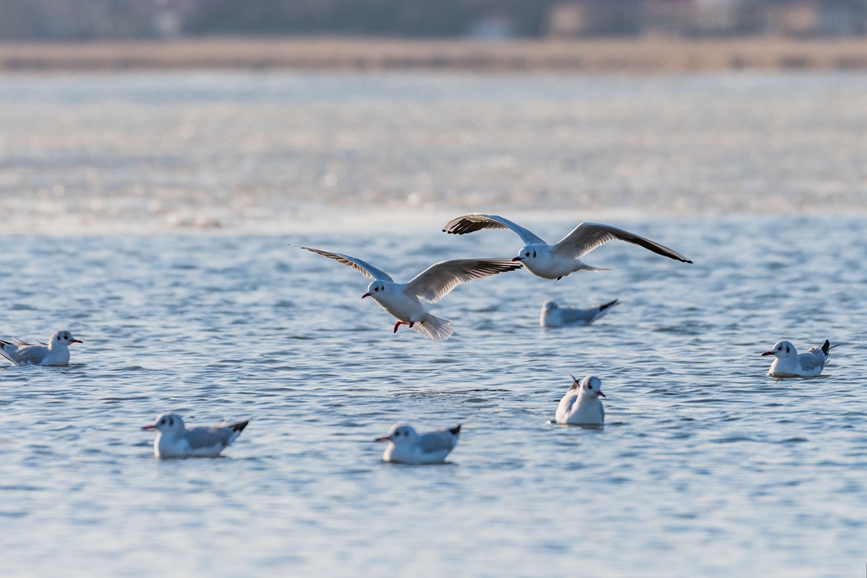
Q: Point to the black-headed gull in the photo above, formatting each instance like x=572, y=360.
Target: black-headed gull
x=788, y=363
x=55, y=352
x=563, y=259
x=402, y=300
x=554, y=315
x=581, y=404
x=174, y=440
x=405, y=446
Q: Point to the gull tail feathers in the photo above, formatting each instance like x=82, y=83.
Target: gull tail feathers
x=434, y=327
x=586, y=267
x=608, y=305
x=238, y=427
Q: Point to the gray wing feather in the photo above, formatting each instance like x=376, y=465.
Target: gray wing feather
x=436, y=440
x=588, y=236
x=207, y=437
x=572, y=315
x=24, y=354
x=366, y=269
x=477, y=221
x=812, y=359
x=438, y=280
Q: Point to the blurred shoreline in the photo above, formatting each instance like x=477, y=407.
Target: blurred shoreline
x=638, y=55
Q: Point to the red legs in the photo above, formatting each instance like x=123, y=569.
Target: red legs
x=399, y=323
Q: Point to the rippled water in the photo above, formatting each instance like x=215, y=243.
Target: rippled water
x=252, y=153
x=705, y=467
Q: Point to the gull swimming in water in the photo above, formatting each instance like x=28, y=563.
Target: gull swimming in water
x=789, y=363
x=563, y=259
x=55, y=352
x=403, y=300
x=554, y=315
x=581, y=404
x=405, y=446
x=174, y=440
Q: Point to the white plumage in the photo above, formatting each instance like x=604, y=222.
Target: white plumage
x=55, y=352
x=403, y=300
x=174, y=440
x=581, y=404
x=554, y=315
x=563, y=259
x=405, y=446
x=789, y=363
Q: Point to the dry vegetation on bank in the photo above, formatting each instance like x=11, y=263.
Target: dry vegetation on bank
x=629, y=55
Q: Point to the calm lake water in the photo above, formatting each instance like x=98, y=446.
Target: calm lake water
x=151, y=214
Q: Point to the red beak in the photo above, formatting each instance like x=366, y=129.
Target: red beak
x=365, y=295
x=602, y=394
x=76, y=341
x=767, y=353
x=383, y=439
x=515, y=259
x=149, y=427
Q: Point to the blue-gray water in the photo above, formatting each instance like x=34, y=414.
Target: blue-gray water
x=705, y=467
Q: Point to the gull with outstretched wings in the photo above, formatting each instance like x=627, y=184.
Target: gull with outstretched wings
x=403, y=300
x=564, y=258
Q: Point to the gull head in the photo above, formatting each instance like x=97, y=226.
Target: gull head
x=528, y=253
x=549, y=306
x=590, y=386
x=782, y=349
x=166, y=423
x=375, y=289
x=399, y=434
x=63, y=337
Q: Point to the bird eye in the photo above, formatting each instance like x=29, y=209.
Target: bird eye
x=163, y=421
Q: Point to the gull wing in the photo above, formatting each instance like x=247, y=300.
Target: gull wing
x=812, y=359
x=208, y=437
x=588, y=236
x=366, y=269
x=477, y=221
x=573, y=315
x=438, y=440
x=24, y=354
x=439, y=279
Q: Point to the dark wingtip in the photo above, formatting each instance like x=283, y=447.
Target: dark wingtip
x=456, y=430
x=238, y=427
x=687, y=261
x=607, y=305
x=826, y=347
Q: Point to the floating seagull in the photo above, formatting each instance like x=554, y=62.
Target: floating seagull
x=402, y=300
x=788, y=363
x=581, y=404
x=555, y=316
x=56, y=352
x=174, y=440
x=405, y=446
x=563, y=259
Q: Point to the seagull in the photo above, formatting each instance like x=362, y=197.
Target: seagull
x=405, y=446
x=788, y=363
x=402, y=300
x=174, y=440
x=563, y=259
x=581, y=404
x=55, y=352
x=555, y=316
